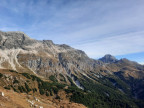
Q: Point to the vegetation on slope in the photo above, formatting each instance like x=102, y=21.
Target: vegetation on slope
x=95, y=95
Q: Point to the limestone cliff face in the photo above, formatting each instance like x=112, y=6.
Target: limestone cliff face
x=44, y=58
x=10, y=40
x=19, y=52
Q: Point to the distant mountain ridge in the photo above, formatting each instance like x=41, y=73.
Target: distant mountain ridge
x=108, y=59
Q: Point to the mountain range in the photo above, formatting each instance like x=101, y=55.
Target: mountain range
x=65, y=76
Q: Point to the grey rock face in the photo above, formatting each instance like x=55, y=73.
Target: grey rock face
x=108, y=59
x=19, y=52
x=10, y=40
x=46, y=58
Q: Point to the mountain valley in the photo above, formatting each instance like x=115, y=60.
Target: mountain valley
x=60, y=76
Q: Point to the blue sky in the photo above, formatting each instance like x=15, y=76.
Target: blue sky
x=97, y=27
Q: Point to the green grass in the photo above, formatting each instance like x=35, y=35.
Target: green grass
x=52, y=78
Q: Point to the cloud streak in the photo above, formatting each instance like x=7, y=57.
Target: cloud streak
x=115, y=45
x=95, y=26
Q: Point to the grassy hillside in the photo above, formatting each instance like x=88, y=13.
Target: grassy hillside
x=95, y=95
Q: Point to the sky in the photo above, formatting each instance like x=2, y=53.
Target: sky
x=97, y=27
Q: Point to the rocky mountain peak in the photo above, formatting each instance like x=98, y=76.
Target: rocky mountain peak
x=14, y=40
x=65, y=46
x=22, y=57
x=108, y=59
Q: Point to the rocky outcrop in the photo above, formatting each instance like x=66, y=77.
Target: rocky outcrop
x=108, y=59
x=10, y=40
x=1, y=93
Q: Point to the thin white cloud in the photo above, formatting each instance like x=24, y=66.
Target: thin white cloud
x=115, y=45
x=96, y=26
